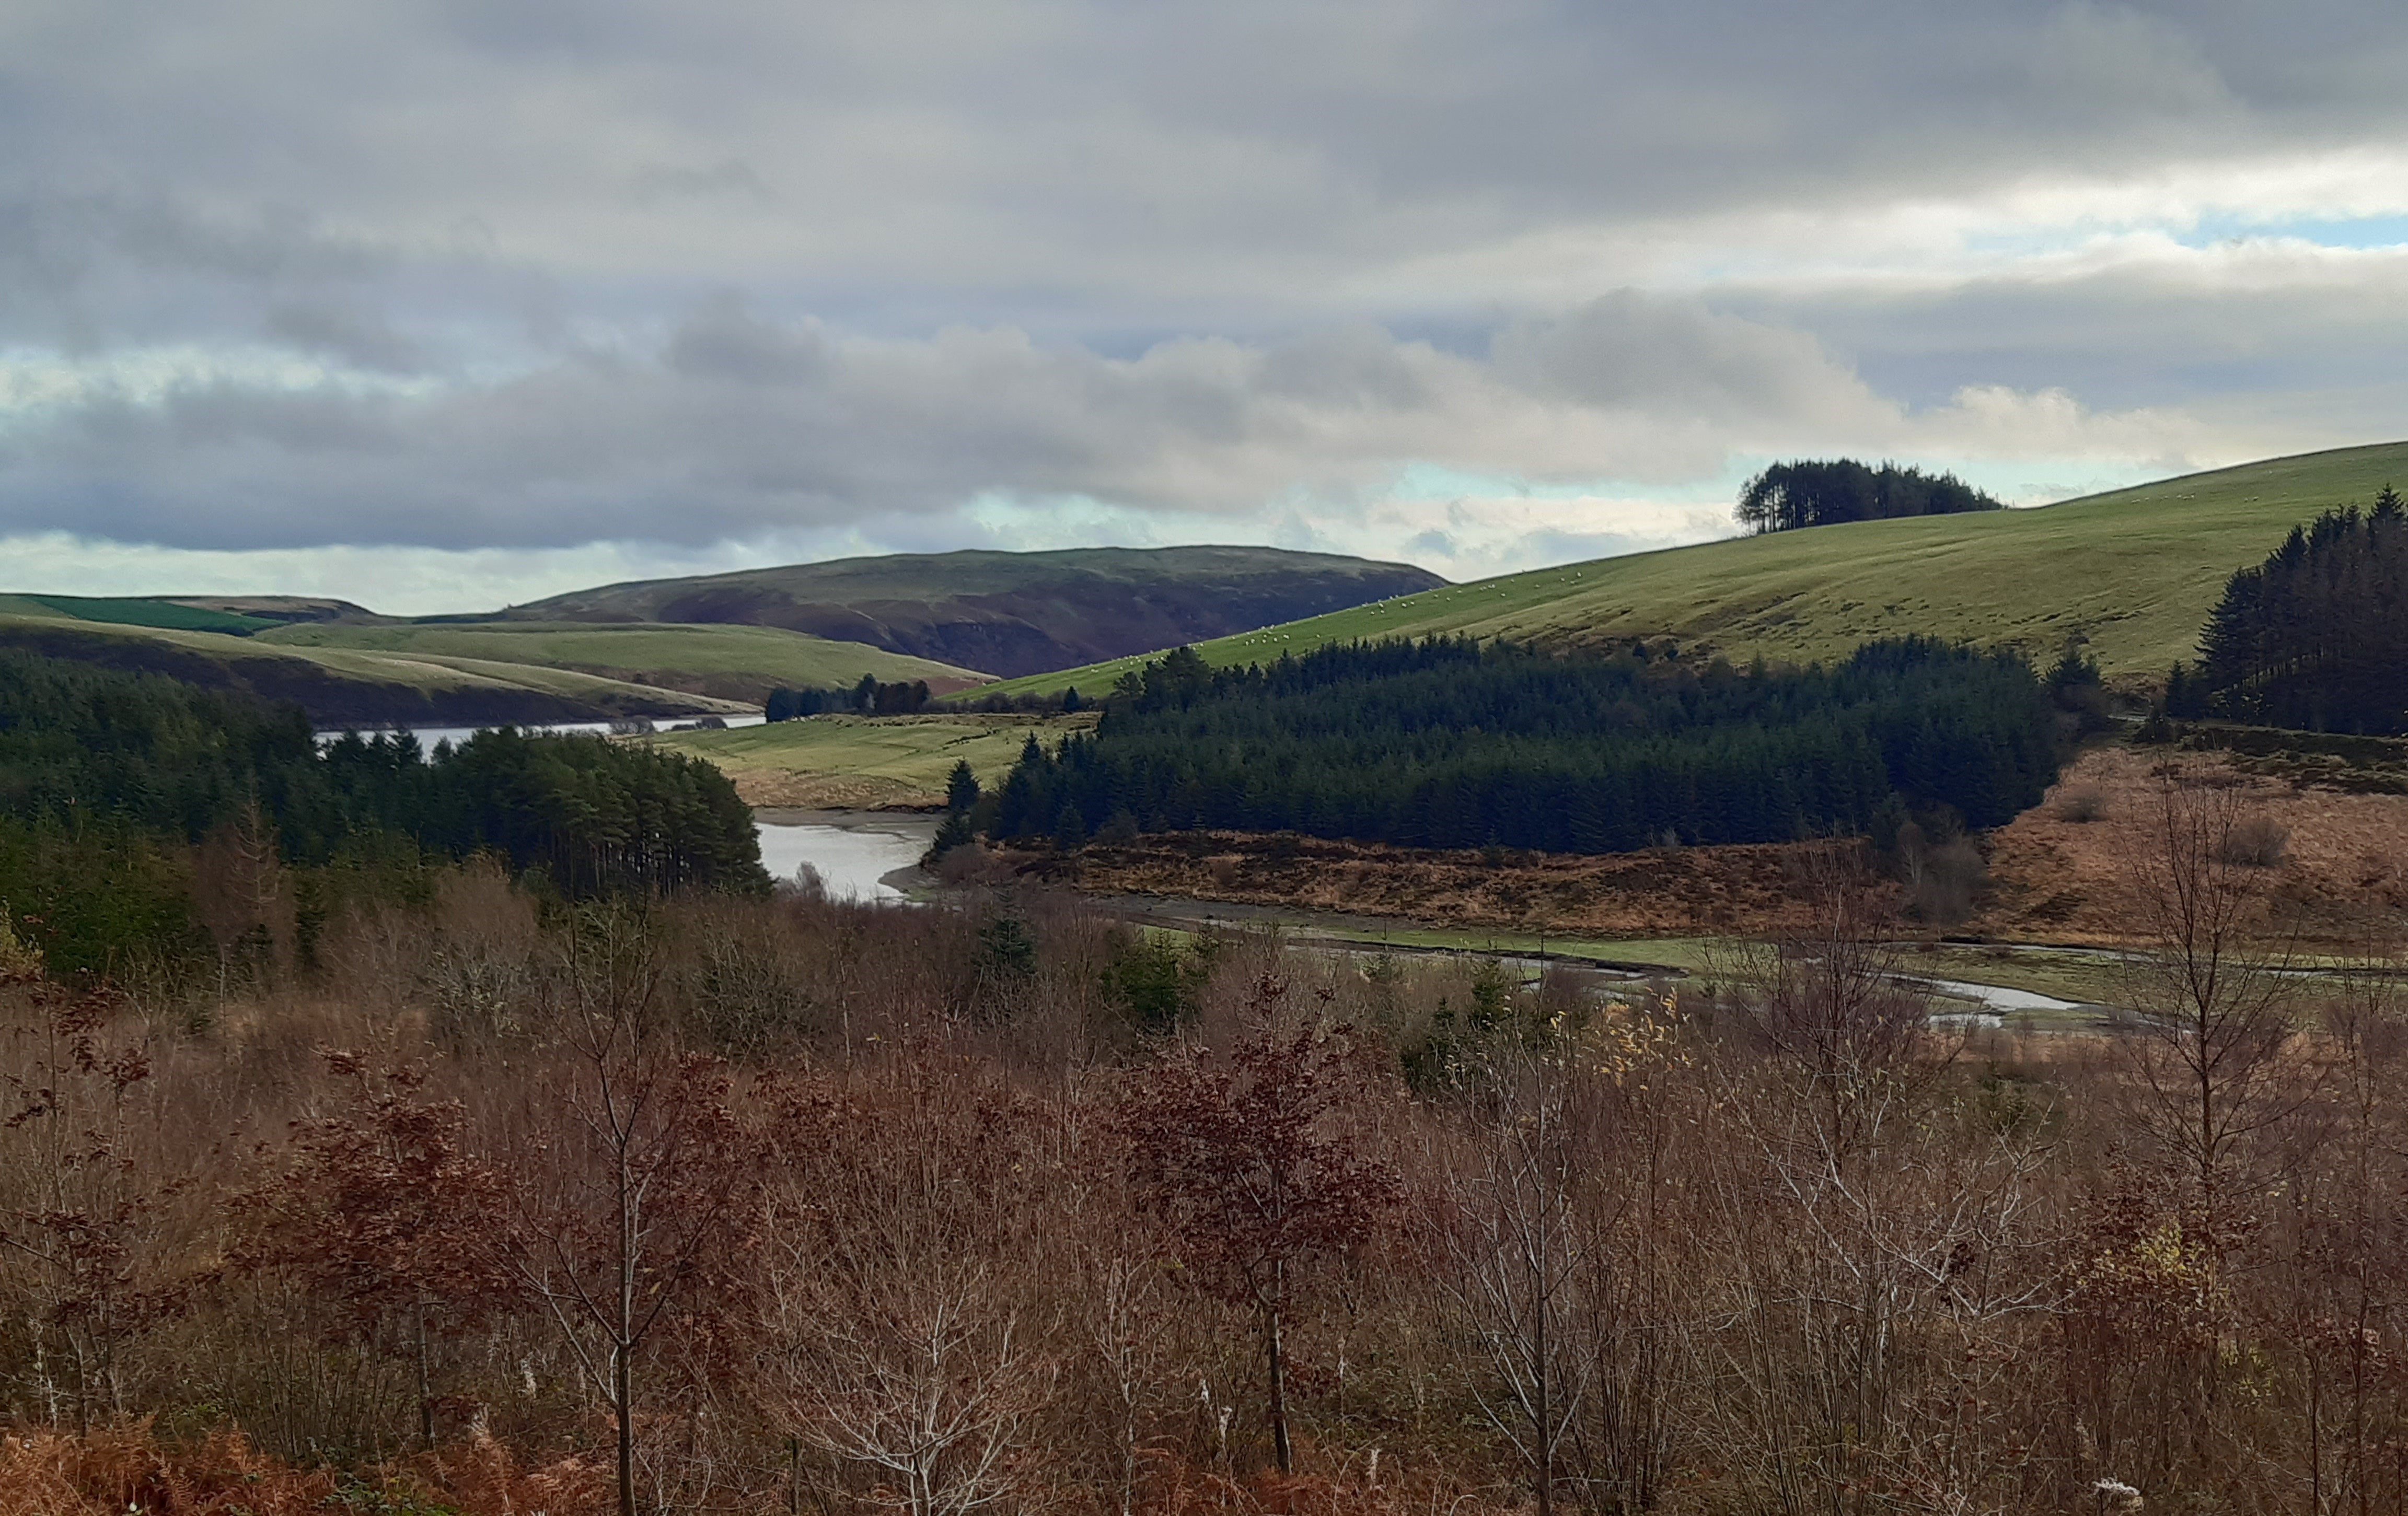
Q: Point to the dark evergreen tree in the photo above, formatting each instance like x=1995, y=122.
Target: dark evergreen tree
x=81, y=746
x=952, y=832
x=1787, y=496
x=2316, y=637
x=961, y=787
x=1446, y=743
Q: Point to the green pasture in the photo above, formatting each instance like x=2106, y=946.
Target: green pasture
x=2134, y=571
x=764, y=657
x=417, y=672
x=130, y=611
x=915, y=750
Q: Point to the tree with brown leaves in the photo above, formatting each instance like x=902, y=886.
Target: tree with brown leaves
x=1253, y=1164
x=378, y=1209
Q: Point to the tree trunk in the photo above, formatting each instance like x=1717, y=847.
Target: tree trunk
x=623, y=1390
x=1279, y=1385
x=426, y=1390
x=623, y=1373
x=1545, y=1471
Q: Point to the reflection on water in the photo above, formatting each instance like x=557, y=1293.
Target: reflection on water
x=849, y=857
x=1999, y=999
x=429, y=735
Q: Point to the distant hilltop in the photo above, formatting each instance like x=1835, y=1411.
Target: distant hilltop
x=711, y=645
x=277, y=608
x=1011, y=613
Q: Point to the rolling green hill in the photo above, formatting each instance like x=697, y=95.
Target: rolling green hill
x=2135, y=571
x=167, y=615
x=1009, y=612
x=345, y=685
x=733, y=663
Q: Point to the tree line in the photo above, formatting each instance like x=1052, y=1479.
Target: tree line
x=112, y=784
x=1790, y=495
x=2316, y=637
x=869, y=698
x=1448, y=743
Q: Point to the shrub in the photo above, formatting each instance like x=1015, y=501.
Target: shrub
x=2256, y=842
x=2082, y=803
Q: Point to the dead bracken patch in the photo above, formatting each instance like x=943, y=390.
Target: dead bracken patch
x=780, y=789
x=2333, y=858
x=1747, y=889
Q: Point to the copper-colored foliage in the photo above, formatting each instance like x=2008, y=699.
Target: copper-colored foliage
x=500, y=1204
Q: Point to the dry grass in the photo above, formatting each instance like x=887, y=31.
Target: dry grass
x=868, y=763
x=114, y=1470
x=2336, y=860
x=1743, y=890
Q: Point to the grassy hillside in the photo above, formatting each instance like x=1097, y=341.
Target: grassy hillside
x=866, y=761
x=1010, y=612
x=340, y=686
x=168, y=615
x=2135, y=570
x=734, y=663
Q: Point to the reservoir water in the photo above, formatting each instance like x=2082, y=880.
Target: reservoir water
x=851, y=851
x=429, y=735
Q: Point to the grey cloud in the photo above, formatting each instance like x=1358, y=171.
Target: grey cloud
x=945, y=214
x=739, y=425
x=730, y=175
x=2152, y=336
x=1247, y=152
x=1625, y=350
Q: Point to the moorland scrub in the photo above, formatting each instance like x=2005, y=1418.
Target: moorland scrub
x=503, y=1200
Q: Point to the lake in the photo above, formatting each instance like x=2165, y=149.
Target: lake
x=429, y=735
x=851, y=849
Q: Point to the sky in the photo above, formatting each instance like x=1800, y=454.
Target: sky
x=439, y=305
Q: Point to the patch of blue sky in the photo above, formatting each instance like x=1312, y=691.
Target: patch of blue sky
x=2351, y=233
x=2347, y=233
x=1433, y=481
x=2357, y=233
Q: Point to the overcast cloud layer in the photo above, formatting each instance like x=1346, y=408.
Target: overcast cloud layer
x=437, y=304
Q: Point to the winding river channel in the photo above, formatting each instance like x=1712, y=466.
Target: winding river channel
x=870, y=856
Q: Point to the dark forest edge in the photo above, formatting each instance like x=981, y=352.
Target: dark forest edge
x=1448, y=743
x=133, y=807
x=2316, y=637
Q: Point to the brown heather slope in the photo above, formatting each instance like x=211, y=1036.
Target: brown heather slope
x=1732, y=891
x=2064, y=881
x=2053, y=879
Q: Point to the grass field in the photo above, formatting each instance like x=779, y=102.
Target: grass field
x=2136, y=571
x=2082, y=978
x=742, y=663
x=348, y=680
x=838, y=762
x=164, y=614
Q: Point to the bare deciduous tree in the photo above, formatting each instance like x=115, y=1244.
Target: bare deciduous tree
x=633, y=1212
x=2208, y=987
x=1522, y=1246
